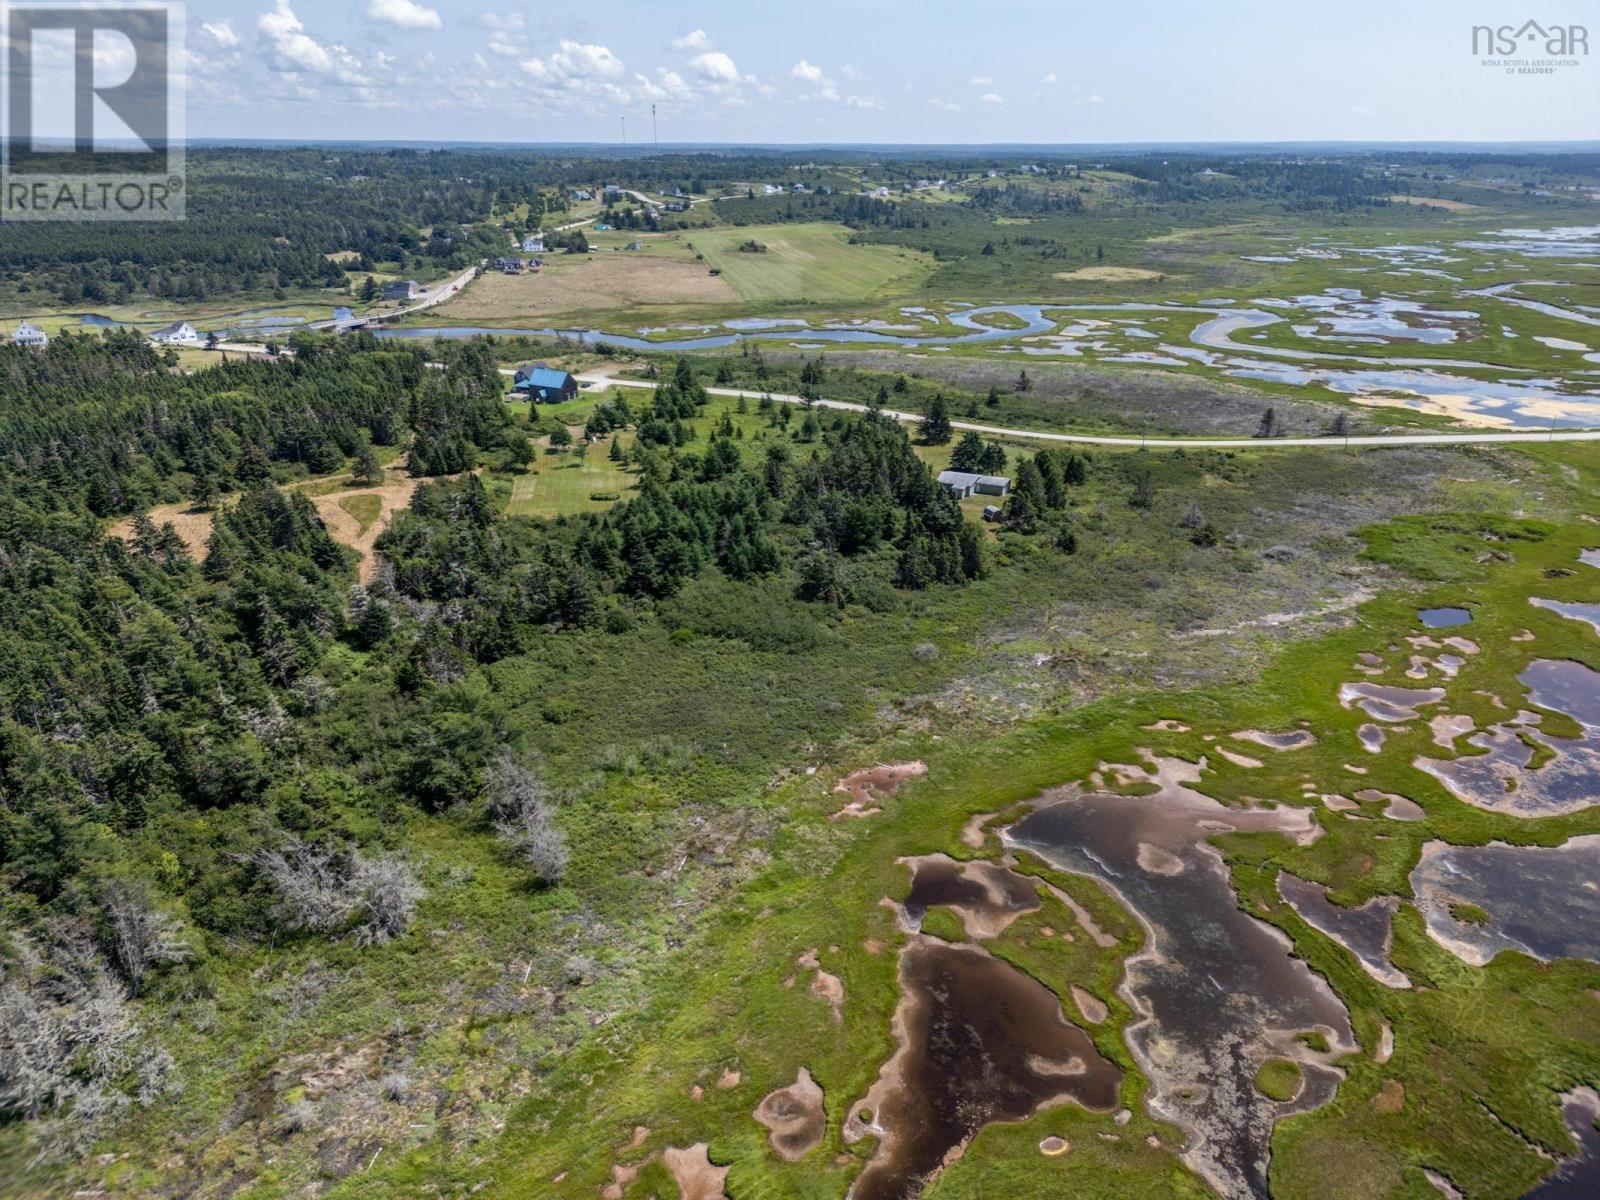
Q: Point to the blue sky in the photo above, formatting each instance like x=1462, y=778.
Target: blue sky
x=877, y=71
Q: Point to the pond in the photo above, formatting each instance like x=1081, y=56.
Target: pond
x=1538, y=900
x=1589, y=613
x=1219, y=992
x=1444, y=618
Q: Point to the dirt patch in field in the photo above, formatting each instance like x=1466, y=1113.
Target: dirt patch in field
x=1094, y=1009
x=694, y=1174
x=1434, y=202
x=796, y=1117
x=592, y=283
x=1391, y=1097
x=344, y=528
x=192, y=525
x=1113, y=274
x=875, y=783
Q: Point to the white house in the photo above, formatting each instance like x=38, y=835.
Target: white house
x=177, y=334
x=30, y=335
x=533, y=244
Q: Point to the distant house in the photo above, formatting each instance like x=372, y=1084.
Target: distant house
x=677, y=206
x=991, y=512
x=545, y=384
x=510, y=266
x=409, y=289
x=635, y=245
x=533, y=244
x=601, y=227
x=177, y=334
x=30, y=335
x=965, y=484
x=770, y=189
x=583, y=194
x=612, y=192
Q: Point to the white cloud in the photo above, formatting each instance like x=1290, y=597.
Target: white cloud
x=221, y=32
x=1050, y=78
x=982, y=81
x=292, y=48
x=944, y=104
x=992, y=98
x=405, y=14
x=667, y=85
x=696, y=39
x=862, y=102
x=715, y=66
x=503, y=44
x=1096, y=100
x=854, y=74
x=575, y=61
x=1361, y=110
x=506, y=22
x=807, y=72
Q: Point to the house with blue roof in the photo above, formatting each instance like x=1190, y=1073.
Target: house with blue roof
x=545, y=385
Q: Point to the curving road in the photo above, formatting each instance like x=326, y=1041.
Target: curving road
x=597, y=379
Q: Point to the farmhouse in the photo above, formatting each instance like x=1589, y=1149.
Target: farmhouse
x=965, y=484
x=30, y=335
x=533, y=244
x=583, y=194
x=545, y=384
x=510, y=266
x=409, y=289
x=177, y=334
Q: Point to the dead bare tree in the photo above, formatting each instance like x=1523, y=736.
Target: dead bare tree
x=327, y=890
x=520, y=806
x=139, y=935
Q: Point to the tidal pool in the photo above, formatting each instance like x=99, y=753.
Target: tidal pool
x=1218, y=992
x=1579, y=1176
x=979, y=1042
x=1541, y=900
x=1573, y=612
x=1504, y=778
x=985, y=896
x=1391, y=704
x=1366, y=932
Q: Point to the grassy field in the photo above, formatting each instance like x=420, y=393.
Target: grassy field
x=565, y=484
x=810, y=263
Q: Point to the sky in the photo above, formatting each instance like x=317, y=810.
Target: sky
x=878, y=71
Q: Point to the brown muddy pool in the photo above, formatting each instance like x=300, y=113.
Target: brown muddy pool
x=980, y=1042
x=1219, y=991
x=987, y=897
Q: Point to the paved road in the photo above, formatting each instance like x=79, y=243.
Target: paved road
x=1476, y=438
x=431, y=296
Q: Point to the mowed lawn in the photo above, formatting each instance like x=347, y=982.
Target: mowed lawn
x=810, y=262
x=561, y=485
